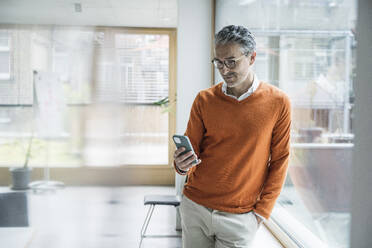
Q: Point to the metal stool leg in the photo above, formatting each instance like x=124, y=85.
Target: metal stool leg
x=146, y=223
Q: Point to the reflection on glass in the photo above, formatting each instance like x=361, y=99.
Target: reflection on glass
x=110, y=80
x=5, y=56
x=306, y=48
x=124, y=125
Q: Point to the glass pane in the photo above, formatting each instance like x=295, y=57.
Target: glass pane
x=313, y=62
x=4, y=63
x=19, y=124
x=37, y=48
x=4, y=39
x=132, y=72
x=144, y=65
x=5, y=56
x=72, y=62
x=124, y=75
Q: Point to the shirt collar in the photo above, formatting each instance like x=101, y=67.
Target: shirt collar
x=251, y=89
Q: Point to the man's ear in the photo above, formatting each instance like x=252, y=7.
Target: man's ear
x=253, y=58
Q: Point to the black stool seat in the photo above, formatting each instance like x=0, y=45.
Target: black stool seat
x=172, y=200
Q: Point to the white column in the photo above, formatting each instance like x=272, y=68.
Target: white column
x=193, y=61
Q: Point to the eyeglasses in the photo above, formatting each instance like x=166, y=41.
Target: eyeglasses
x=229, y=63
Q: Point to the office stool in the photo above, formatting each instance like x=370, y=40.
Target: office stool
x=153, y=200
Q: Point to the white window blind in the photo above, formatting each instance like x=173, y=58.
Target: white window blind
x=135, y=69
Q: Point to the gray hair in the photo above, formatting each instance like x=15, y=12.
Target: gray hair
x=236, y=34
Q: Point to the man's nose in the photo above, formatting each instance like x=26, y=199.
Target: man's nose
x=224, y=70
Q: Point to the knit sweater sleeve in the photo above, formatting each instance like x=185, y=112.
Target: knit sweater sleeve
x=278, y=164
x=195, y=129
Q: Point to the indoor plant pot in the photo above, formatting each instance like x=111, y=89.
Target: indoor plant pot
x=20, y=177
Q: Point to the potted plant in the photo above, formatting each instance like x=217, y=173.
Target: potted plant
x=21, y=175
x=165, y=104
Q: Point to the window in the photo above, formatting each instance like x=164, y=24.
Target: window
x=145, y=61
x=133, y=71
x=307, y=49
x=124, y=72
x=5, y=56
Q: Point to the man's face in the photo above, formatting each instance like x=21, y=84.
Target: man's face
x=238, y=74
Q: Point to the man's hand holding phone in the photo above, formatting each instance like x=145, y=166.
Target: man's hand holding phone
x=185, y=161
x=184, y=156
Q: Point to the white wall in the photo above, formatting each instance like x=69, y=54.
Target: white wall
x=361, y=211
x=193, y=60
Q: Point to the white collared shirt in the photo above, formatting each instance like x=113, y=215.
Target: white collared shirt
x=251, y=89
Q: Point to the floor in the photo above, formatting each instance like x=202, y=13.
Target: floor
x=100, y=217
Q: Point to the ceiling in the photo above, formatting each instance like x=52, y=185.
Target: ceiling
x=129, y=13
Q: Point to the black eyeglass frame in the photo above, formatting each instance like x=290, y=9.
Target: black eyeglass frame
x=225, y=62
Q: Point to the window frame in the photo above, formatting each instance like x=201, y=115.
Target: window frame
x=148, y=174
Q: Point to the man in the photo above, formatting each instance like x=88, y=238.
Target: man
x=240, y=132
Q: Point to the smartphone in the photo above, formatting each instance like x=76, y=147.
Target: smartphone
x=184, y=141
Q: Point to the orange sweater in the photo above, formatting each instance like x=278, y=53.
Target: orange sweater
x=235, y=139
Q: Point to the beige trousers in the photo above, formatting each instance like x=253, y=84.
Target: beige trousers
x=203, y=227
